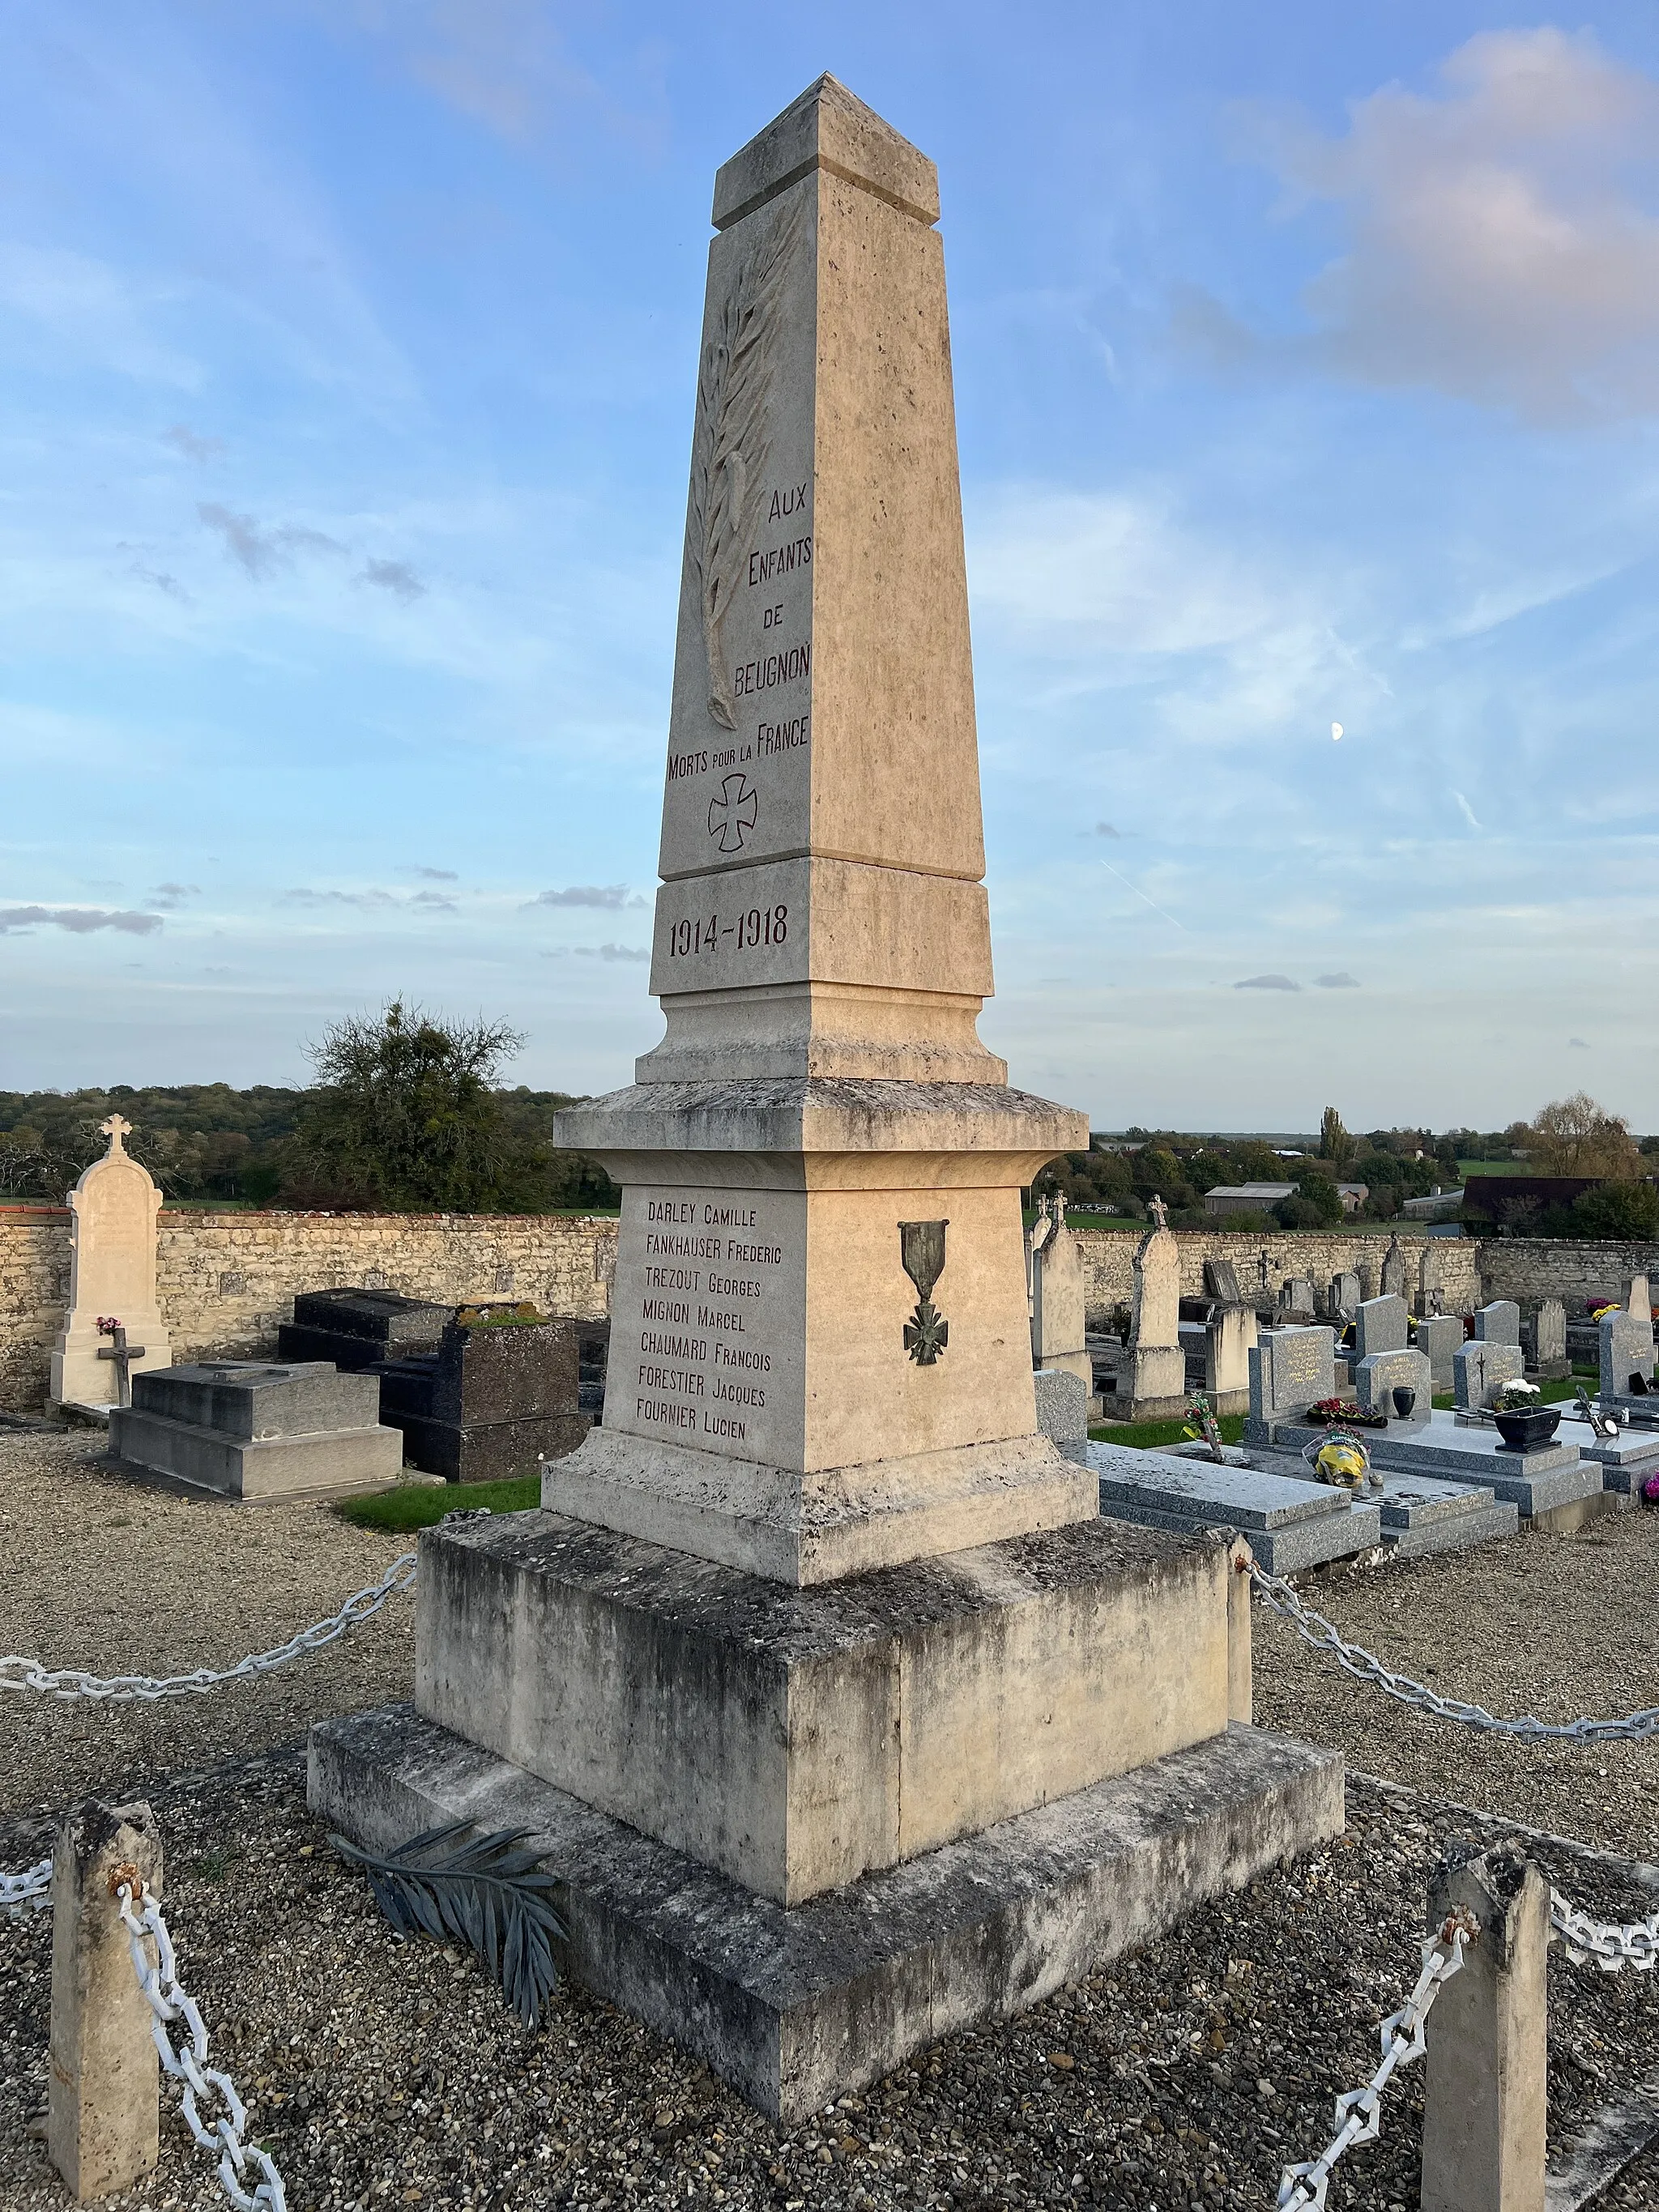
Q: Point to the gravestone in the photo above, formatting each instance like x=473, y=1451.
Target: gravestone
x=494, y=1399
x=1228, y=1338
x=1221, y=1281
x=1345, y=1296
x=1550, y=1342
x=1637, y=1300
x=1626, y=1348
x=1377, y=1377
x=1498, y=1322
x=1393, y=1271
x=1368, y=1282
x=1290, y=1369
x=1297, y=1298
x=820, y=1366
x=1057, y=1297
x=254, y=1429
x=1382, y=1325
x=1160, y=1365
x=112, y=1212
x=1430, y=1280
x=1062, y=1411
x=1482, y=1367
x=1439, y=1338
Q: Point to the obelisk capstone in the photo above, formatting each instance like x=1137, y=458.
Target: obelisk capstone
x=842, y=1717
x=821, y=1107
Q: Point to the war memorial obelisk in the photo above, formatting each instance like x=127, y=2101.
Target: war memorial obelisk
x=843, y=1717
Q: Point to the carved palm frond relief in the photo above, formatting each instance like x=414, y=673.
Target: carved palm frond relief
x=732, y=442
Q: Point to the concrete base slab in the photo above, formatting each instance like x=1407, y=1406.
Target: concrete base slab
x=335, y=1460
x=796, y=2006
x=1422, y=1515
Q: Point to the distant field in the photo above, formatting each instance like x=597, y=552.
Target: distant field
x=1466, y=1168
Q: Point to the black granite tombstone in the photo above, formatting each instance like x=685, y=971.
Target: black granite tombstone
x=495, y=1396
x=358, y=1328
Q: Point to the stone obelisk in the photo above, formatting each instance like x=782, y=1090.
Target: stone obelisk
x=842, y=1717
x=821, y=1111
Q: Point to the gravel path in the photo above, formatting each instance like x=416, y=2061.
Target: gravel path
x=108, y=1574
x=389, y=2075
x=1561, y=1626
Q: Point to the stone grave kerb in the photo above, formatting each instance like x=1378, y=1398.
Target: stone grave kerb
x=113, y=1234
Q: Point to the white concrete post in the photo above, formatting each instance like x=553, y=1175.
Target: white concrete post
x=1485, y=2095
x=105, y=2092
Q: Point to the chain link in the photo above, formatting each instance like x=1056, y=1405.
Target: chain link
x=1315, y=1629
x=1360, y=2112
x=20, y=1673
x=32, y=1887
x=1613, y=1945
x=158, y=1979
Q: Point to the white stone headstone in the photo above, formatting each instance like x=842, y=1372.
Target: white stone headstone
x=112, y=1275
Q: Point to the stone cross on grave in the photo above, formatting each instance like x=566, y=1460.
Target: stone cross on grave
x=1159, y=1211
x=115, y=1129
x=118, y=1349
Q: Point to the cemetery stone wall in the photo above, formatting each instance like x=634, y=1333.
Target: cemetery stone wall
x=226, y=1282
x=1108, y=1258
x=1529, y=1269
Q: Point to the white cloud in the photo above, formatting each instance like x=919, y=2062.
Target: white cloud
x=1466, y=810
x=1503, y=233
x=97, y=316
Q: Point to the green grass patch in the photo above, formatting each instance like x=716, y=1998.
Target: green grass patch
x=1154, y=1436
x=419, y=1504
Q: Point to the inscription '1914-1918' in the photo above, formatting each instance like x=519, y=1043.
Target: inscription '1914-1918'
x=759, y=926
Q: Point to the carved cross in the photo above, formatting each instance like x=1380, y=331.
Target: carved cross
x=121, y=1352
x=1159, y=1211
x=733, y=813
x=115, y=1128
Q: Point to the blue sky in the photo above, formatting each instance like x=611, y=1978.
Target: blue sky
x=1307, y=368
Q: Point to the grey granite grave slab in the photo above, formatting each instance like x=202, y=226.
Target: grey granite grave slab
x=1424, y=1513
x=1288, y=1524
x=1553, y=1481
x=1439, y=1338
x=252, y=1430
x=1344, y=1295
x=1626, y=1349
x=1381, y=1374
x=1062, y=1411
x=1290, y=1369
x=1221, y=1281
x=1380, y=1325
x=1481, y=1367
x=1625, y=1461
x=1499, y=1323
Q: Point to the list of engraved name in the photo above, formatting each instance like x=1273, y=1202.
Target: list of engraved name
x=709, y=1280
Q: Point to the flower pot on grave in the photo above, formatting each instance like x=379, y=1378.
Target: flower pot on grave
x=1525, y=1432
x=1405, y=1401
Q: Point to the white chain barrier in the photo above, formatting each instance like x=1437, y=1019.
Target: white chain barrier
x=20, y=1673
x=1360, y=2112
x=1315, y=1629
x=32, y=1887
x=158, y=1979
x=1612, y=1945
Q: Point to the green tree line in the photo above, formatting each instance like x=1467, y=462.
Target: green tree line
x=406, y=1115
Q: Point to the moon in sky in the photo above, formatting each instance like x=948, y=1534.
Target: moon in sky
x=1336, y=732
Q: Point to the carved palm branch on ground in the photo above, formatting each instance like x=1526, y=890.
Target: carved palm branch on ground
x=732, y=444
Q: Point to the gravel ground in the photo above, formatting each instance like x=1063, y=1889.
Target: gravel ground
x=390, y=2074
x=105, y=1573
x=1561, y=1626
x=382, y=2074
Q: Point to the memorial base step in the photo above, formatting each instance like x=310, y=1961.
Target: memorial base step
x=797, y=2007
